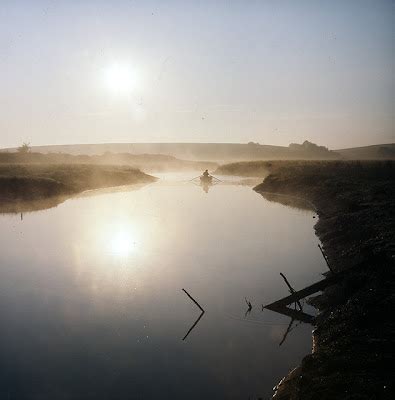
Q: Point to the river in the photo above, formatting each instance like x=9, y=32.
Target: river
x=91, y=300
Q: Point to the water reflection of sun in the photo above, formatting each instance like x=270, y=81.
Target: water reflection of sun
x=122, y=243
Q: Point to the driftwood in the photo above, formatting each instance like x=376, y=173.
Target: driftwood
x=280, y=306
x=291, y=290
x=300, y=294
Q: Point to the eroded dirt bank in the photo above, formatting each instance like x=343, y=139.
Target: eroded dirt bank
x=353, y=339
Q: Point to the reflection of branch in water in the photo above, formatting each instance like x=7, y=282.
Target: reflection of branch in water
x=200, y=316
x=295, y=314
x=289, y=330
x=195, y=323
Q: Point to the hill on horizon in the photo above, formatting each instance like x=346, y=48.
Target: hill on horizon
x=373, y=152
x=225, y=151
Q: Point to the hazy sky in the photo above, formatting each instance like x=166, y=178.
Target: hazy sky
x=271, y=71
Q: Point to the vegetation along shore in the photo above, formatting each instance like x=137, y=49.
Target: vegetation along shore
x=23, y=187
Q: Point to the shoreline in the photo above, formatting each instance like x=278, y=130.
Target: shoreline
x=353, y=334
x=25, y=188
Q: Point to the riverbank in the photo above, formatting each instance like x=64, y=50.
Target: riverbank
x=353, y=339
x=151, y=163
x=33, y=186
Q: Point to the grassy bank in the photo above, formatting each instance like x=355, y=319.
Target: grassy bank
x=353, y=339
x=37, y=182
x=261, y=169
x=144, y=162
x=245, y=168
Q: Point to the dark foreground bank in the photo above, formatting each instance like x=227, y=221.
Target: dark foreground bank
x=27, y=185
x=353, y=339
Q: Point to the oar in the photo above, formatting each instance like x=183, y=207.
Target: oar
x=219, y=180
x=194, y=178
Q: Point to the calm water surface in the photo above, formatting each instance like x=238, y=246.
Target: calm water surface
x=91, y=304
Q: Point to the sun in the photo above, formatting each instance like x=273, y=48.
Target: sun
x=120, y=78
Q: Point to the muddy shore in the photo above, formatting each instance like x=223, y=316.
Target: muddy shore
x=353, y=337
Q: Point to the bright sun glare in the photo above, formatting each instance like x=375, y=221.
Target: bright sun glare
x=122, y=244
x=120, y=78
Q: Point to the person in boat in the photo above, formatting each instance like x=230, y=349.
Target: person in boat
x=206, y=174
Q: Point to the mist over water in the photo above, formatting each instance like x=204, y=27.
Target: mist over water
x=91, y=300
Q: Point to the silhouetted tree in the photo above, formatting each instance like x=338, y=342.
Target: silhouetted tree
x=25, y=148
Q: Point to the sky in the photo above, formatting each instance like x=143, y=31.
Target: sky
x=269, y=71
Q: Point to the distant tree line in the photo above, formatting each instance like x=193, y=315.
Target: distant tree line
x=308, y=147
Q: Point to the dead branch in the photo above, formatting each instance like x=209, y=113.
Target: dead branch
x=193, y=300
x=291, y=290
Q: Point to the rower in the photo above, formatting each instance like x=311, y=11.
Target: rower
x=206, y=174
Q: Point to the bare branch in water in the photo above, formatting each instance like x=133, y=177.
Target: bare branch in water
x=291, y=290
x=200, y=316
x=193, y=300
